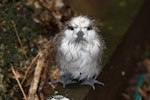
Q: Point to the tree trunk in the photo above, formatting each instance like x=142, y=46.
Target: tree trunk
x=123, y=62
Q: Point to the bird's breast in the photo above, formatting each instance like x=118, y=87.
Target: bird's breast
x=80, y=60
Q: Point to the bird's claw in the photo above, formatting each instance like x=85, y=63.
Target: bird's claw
x=91, y=82
x=65, y=81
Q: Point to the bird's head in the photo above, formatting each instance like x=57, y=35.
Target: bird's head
x=79, y=29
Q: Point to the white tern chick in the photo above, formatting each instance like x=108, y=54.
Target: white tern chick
x=79, y=50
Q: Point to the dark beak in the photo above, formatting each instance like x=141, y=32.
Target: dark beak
x=80, y=34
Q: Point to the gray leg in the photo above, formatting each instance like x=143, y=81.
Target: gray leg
x=91, y=82
x=65, y=80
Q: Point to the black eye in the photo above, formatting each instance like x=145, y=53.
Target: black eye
x=89, y=28
x=70, y=28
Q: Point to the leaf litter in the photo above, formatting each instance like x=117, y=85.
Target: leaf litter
x=27, y=55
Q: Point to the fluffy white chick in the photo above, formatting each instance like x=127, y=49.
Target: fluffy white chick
x=79, y=49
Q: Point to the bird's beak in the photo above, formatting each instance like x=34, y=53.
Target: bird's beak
x=80, y=34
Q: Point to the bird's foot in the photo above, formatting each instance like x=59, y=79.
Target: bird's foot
x=91, y=82
x=65, y=80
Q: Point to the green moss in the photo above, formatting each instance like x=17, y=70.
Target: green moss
x=27, y=30
x=9, y=45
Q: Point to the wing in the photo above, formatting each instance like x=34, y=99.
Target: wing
x=102, y=48
x=57, y=42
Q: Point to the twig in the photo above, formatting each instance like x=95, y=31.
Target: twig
x=19, y=40
x=26, y=73
x=41, y=96
x=56, y=15
x=143, y=93
x=12, y=68
x=43, y=76
x=37, y=73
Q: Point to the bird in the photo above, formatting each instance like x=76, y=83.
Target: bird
x=79, y=49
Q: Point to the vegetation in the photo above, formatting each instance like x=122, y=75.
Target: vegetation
x=26, y=27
